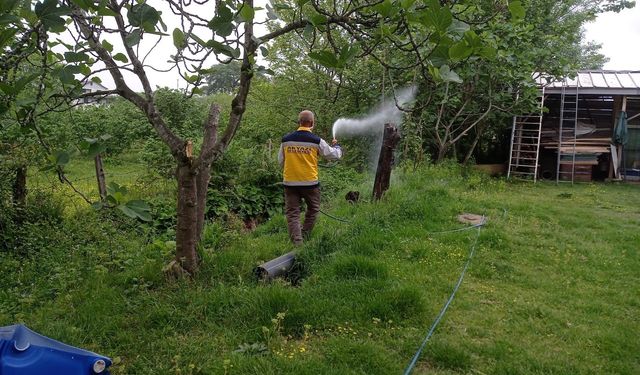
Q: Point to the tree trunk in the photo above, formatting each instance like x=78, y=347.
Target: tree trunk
x=187, y=226
x=454, y=148
x=385, y=161
x=102, y=182
x=442, y=152
x=20, y=187
x=202, y=182
x=479, y=133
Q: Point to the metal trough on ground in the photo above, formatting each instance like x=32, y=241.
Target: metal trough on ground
x=275, y=267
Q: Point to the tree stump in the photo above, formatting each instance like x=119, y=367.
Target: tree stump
x=390, y=140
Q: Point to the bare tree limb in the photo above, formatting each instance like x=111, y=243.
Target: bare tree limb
x=210, y=137
x=175, y=143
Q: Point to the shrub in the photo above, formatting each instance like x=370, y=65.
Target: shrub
x=246, y=182
x=21, y=231
x=126, y=124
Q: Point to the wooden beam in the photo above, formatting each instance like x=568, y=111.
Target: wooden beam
x=102, y=182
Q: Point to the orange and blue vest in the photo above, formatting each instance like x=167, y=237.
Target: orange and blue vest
x=299, y=154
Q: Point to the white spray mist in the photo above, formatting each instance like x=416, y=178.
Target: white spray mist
x=373, y=123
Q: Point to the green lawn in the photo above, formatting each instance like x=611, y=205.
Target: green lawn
x=553, y=287
x=126, y=169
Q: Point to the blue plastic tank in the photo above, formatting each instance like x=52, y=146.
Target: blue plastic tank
x=24, y=352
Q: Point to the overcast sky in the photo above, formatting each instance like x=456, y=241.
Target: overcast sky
x=619, y=34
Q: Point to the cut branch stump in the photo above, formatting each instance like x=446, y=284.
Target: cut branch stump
x=390, y=140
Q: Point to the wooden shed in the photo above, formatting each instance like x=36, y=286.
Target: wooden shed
x=588, y=128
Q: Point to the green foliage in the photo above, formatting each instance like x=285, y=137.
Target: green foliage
x=337, y=179
x=329, y=59
x=51, y=13
x=163, y=214
x=178, y=38
x=185, y=117
x=118, y=125
x=223, y=78
x=144, y=16
x=6, y=180
x=158, y=158
x=517, y=11
x=24, y=229
x=182, y=114
x=245, y=183
x=591, y=57
x=95, y=146
x=487, y=62
x=117, y=196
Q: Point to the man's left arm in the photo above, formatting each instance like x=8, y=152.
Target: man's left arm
x=331, y=153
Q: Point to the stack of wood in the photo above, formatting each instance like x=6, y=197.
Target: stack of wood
x=587, y=148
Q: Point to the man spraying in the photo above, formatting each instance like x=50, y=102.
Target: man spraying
x=299, y=154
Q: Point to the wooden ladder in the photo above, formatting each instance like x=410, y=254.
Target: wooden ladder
x=525, y=145
x=567, y=134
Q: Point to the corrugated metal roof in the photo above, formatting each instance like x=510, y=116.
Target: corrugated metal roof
x=598, y=81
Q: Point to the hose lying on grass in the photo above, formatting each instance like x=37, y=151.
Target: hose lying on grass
x=472, y=251
x=280, y=265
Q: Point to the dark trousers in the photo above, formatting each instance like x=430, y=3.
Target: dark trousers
x=293, y=196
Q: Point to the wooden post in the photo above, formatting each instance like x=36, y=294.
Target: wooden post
x=102, y=182
x=390, y=140
x=20, y=187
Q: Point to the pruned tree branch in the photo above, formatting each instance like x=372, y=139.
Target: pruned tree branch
x=210, y=137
